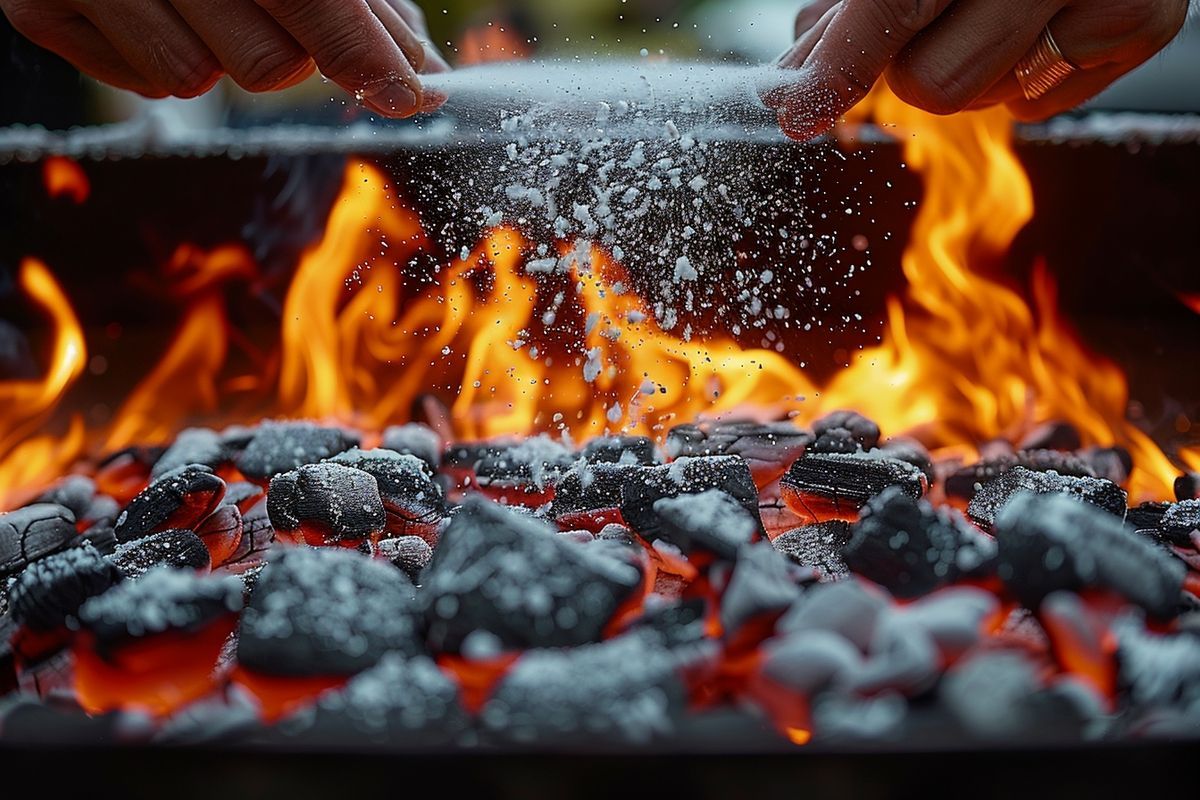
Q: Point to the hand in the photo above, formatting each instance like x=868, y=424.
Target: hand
x=949, y=55
x=372, y=48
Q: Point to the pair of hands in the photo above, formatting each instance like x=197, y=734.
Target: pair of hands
x=940, y=55
x=371, y=48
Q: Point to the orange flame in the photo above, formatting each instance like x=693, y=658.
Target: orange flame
x=64, y=177
x=491, y=43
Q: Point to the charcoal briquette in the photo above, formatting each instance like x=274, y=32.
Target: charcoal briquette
x=177, y=549
x=510, y=574
x=326, y=611
x=691, y=476
x=847, y=608
x=33, y=532
x=996, y=493
x=1052, y=436
x=243, y=494
x=821, y=487
x=221, y=532
x=710, y=522
x=1052, y=542
x=412, y=502
x=1178, y=522
x=192, y=446
x=257, y=537
x=52, y=589
x=1187, y=486
x=588, y=496
x=414, y=439
x=532, y=465
x=75, y=493
x=1156, y=669
x=911, y=548
x=767, y=448
x=964, y=482
x=326, y=502
x=181, y=498
x=279, y=447
x=410, y=554
x=622, y=450
x=864, y=431
x=102, y=537
x=817, y=546
x=760, y=587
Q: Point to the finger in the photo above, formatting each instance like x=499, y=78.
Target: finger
x=1002, y=91
x=251, y=46
x=415, y=18
x=79, y=42
x=859, y=43
x=810, y=14
x=156, y=41
x=970, y=47
x=782, y=95
x=1077, y=89
x=353, y=49
x=411, y=44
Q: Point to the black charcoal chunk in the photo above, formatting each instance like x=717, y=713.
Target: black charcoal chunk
x=912, y=452
x=847, y=608
x=994, y=494
x=1147, y=517
x=685, y=476
x=622, y=450
x=192, y=446
x=52, y=589
x=534, y=463
x=415, y=439
x=811, y=661
x=761, y=587
x=768, y=448
x=710, y=522
x=399, y=701
x=903, y=657
x=836, y=440
x=589, y=489
x=177, y=549
x=1052, y=436
x=912, y=548
x=1112, y=463
x=1178, y=521
x=33, y=532
x=409, y=554
x=412, y=501
x=102, y=537
x=279, y=447
x=333, y=501
x=510, y=574
x=825, y=486
x=965, y=482
x=628, y=690
x=162, y=600
x=677, y=623
x=257, y=537
x=1154, y=669
x=181, y=498
x=1187, y=486
x=1051, y=542
x=860, y=430
x=75, y=493
x=817, y=546
x=326, y=611
x=243, y=494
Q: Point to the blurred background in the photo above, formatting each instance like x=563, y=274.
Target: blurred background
x=37, y=88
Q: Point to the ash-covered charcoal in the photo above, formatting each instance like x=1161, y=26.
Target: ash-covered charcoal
x=181, y=498
x=33, y=532
x=840, y=430
x=1052, y=542
x=75, y=493
x=1147, y=517
x=279, y=447
x=326, y=611
x=912, y=452
x=903, y=657
x=821, y=487
x=768, y=448
x=817, y=546
x=995, y=494
x=162, y=600
x=531, y=466
x=53, y=588
x=102, y=537
x=1187, y=486
x=243, y=494
x=192, y=446
x=400, y=701
x=588, y=496
x=412, y=502
x=676, y=622
x=327, y=502
x=761, y=588
x=686, y=476
x=954, y=617
x=622, y=450
x=709, y=522
x=509, y=574
x=1111, y=463
x=410, y=554
x=222, y=532
x=414, y=439
x=626, y=690
x=999, y=695
x=809, y=662
x=1178, y=522
x=965, y=482
x=1052, y=436
x=177, y=549
x=257, y=537
x=1157, y=670
x=847, y=608
x=911, y=548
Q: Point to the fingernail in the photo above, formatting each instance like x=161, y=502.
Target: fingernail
x=393, y=100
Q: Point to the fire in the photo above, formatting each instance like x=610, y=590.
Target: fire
x=964, y=357
x=65, y=178
x=485, y=44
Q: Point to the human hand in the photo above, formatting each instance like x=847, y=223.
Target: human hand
x=950, y=55
x=371, y=48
